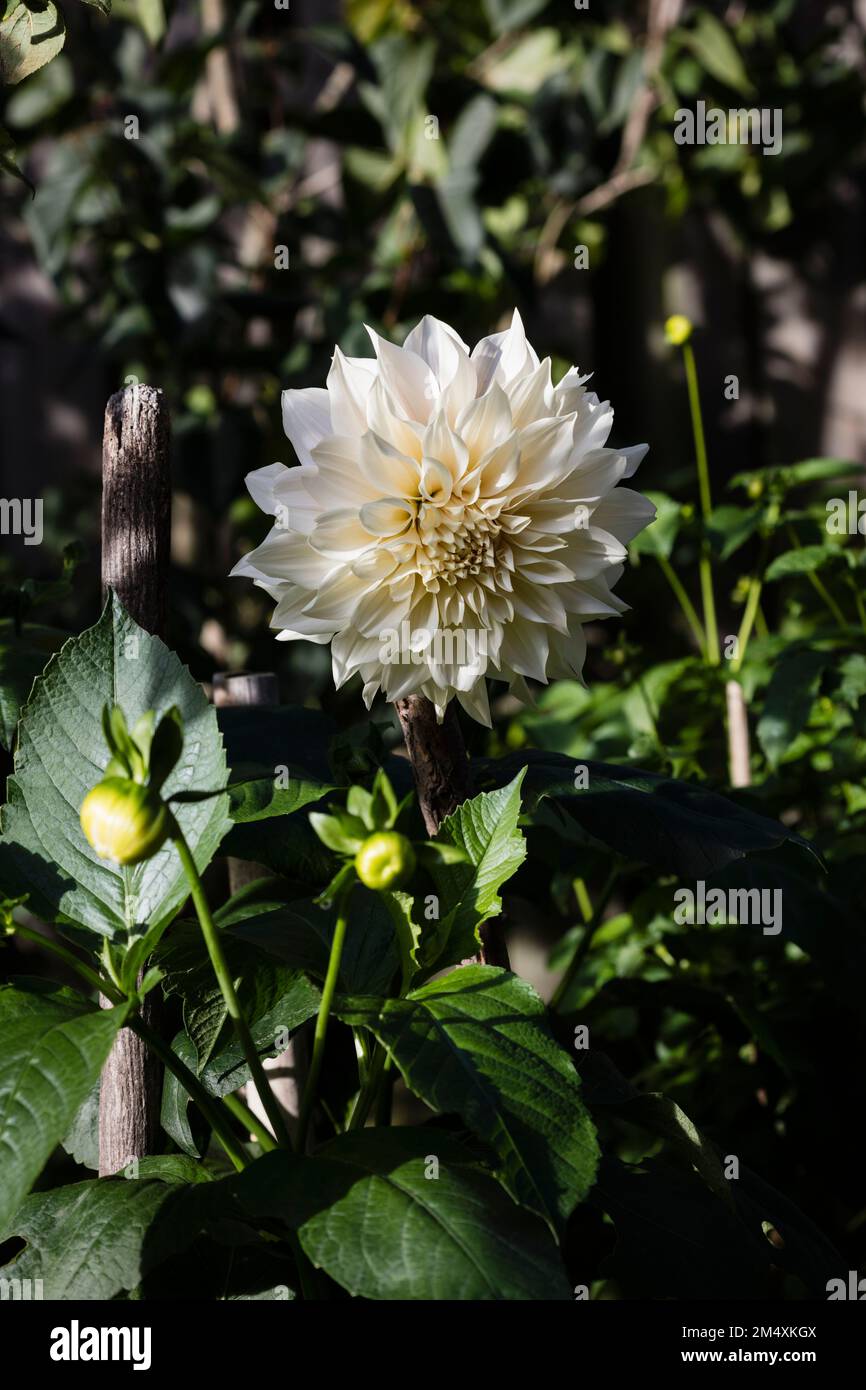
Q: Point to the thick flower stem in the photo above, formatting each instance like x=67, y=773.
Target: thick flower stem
x=438, y=756
x=328, y=991
x=227, y=989
x=443, y=779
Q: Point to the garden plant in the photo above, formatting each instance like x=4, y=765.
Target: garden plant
x=334, y=891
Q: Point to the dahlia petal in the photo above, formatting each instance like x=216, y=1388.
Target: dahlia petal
x=624, y=513
x=340, y=534
x=260, y=486
x=393, y=473
x=410, y=382
x=349, y=384
x=306, y=419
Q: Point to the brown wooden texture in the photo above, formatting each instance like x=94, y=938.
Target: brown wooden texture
x=136, y=539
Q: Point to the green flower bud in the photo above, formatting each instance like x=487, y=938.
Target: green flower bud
x=124, y=821
x=385, y=860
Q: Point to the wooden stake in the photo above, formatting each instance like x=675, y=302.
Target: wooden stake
x=739, y=757
x=136, y=538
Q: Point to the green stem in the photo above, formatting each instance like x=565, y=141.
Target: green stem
x=328, y=991
x=187, y=1078
x=209, y=1108
x=858, y=601
x=69, y=958
x=706, y=568
x=584, y=902
x=214, y=945
x=685, y=603
x=370, y=1089
x=753, y=598
x=251, y=1122
x=582, y=949
x=818, y=584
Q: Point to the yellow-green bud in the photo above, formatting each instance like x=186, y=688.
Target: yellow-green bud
x=124, y=821
x=755, y=488
x=385, y=860
x=678, y=330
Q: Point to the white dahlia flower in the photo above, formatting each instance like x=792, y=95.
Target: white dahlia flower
x=455, y=515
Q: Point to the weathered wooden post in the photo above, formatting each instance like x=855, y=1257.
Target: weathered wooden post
x=136, y=539
x=286, y=1072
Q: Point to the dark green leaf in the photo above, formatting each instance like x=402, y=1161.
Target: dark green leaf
x=62, y=753
x=97, y=1239
x=803, y=561
x=404, y=1214
x=53, y=1043
x=477, y=1044
x=274, y=999
x=674, y=825
x=789, y=699
x=300, y=934
x=485, y=829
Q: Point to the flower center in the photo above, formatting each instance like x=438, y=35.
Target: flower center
x=454, y=543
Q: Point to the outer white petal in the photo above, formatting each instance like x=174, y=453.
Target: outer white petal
x=475, y=703
x=260, y=486
x=435, y=342
x=306, y=419
x=349, y=383
x=286, y=555
x=410, y=382
x=624, y=513
x=505, y=357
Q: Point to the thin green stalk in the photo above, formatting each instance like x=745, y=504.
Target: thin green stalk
x=214, y=1116
x=250, y=1121
x=370, y=1089
x=823, y=592
x=584, y=902
x=706, y=568
x=69, y=958
x=858, y=601
x=651, y=715
x=328, y=990
x=214, y=945
x=753, y=598
x=818, y=584
x=211, y=1110
x=685, y=603
x=582, y=949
